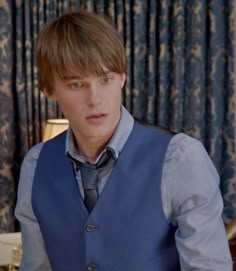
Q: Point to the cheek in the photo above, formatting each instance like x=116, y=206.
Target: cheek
x=69, y=99
x=62, y=102
x=115, y=101
x=113, y=96
x=67, y=105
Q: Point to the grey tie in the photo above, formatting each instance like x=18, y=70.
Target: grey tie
x=90, y=176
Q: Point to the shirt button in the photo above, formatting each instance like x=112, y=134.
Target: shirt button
x=90, y=227
x=91, y=267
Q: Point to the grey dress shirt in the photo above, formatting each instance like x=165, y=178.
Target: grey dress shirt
x=190, y=194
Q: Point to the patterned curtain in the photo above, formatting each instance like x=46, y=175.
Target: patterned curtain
x=180, y=76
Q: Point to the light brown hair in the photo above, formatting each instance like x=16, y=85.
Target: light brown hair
x=79, y=43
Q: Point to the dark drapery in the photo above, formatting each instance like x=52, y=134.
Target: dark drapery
x=180, y=76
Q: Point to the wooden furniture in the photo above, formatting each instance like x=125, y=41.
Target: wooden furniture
x=232, y=246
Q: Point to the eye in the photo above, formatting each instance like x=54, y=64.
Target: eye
x=76, y=85
x=106, y=80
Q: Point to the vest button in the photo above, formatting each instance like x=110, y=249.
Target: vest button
x=91, y=267
x=90, y=227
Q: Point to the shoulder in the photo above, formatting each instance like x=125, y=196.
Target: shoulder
x=188, y=169
x=151, y=131
x=189, y=155
x=33, y=154
x=29, y=163
x=182, y=147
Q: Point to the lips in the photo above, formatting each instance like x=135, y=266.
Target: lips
x=96, y=118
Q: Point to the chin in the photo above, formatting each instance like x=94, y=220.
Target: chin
x=101, y=132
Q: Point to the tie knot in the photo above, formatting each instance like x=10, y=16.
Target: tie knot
x=90, y=173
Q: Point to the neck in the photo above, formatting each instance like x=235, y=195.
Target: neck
x=91, y=147
x=91, y=150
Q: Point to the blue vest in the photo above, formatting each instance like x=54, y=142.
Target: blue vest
x=127, y=229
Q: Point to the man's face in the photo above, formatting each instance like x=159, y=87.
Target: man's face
x=91, y=104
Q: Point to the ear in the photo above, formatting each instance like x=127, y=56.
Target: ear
x=49, y=95
x=123, y=77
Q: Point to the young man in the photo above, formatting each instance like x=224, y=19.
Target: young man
x=152, y=200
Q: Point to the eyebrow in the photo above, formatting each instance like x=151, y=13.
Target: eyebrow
x=83, y=78
x=72, y=77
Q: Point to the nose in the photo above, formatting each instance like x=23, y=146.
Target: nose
x=94, y=96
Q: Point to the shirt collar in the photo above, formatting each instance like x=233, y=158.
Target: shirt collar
x=116, y=143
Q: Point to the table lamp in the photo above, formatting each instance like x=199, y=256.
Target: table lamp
x=54, y=127
x=10, y=251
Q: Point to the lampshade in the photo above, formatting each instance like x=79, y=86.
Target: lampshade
x=53, y=127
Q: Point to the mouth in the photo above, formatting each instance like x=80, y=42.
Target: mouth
x=96, y=118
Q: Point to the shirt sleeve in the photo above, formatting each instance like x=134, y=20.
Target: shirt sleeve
x=34, y=255
x=192, y=201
